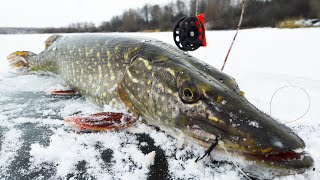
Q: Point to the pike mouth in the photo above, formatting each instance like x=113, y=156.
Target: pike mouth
x=292, y=160
x=285, y=156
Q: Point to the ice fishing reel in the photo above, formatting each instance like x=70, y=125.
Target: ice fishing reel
x=189, y=33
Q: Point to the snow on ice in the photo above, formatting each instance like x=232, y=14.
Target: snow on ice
x=35, y=143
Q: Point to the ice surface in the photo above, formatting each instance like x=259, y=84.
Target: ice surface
x=35, y=143
x=11, y=143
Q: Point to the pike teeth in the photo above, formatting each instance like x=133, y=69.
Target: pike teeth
x=199, y=133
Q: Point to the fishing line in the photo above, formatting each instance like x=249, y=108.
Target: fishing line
x=237, y=167
x=213, y=145
x=297, y=87
x=236, y=34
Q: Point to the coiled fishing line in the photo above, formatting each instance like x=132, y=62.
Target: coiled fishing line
x=291, y=86
x=237, y=167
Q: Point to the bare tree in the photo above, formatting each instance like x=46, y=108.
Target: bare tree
x=129, y=19
x=315, y=8
x=220, y=14
x=156, y=14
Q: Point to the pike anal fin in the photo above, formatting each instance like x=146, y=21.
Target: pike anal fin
x=104, y=121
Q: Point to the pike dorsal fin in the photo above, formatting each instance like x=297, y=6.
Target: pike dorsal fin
x=51, y=40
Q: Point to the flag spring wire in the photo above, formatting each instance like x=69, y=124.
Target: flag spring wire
x=197, y=7
x=235, y=36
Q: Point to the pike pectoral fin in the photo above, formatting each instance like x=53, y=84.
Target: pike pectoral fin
x=104, y=121
x=63, y=92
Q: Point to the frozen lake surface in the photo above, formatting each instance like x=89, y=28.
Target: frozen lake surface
x=35, y=143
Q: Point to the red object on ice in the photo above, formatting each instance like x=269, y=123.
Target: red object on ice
x=101, y=121
x=201, y=19
x=64, y=92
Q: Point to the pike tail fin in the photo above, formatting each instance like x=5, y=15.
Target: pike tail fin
x=18, y=60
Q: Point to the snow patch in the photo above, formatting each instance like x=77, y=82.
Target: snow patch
x=10, y=145
x=254, y=124
x=278, y=143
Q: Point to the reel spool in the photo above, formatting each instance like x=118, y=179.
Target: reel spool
x=189, y=33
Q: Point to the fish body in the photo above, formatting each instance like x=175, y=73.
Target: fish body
x=170, y=89
x=98, y=66
x=93, y=65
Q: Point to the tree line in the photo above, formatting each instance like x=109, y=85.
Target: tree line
x=219, y=14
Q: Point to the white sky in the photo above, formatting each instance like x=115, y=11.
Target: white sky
x=57, y=13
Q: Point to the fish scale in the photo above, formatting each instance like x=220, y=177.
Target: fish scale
x=67, y=57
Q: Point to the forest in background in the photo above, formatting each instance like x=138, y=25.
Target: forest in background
x=219, y=14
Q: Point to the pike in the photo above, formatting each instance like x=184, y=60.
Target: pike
x=168, y=89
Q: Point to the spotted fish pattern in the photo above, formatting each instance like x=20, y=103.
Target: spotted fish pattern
x=92, y=64
x=97, y=66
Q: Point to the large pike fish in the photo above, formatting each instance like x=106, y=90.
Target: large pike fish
x=168, y=89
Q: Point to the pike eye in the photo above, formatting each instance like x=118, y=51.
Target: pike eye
x=189, y=93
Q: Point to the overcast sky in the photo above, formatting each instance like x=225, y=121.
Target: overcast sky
x=57, y=13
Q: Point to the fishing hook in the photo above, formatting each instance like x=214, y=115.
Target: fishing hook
x=209, y=150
